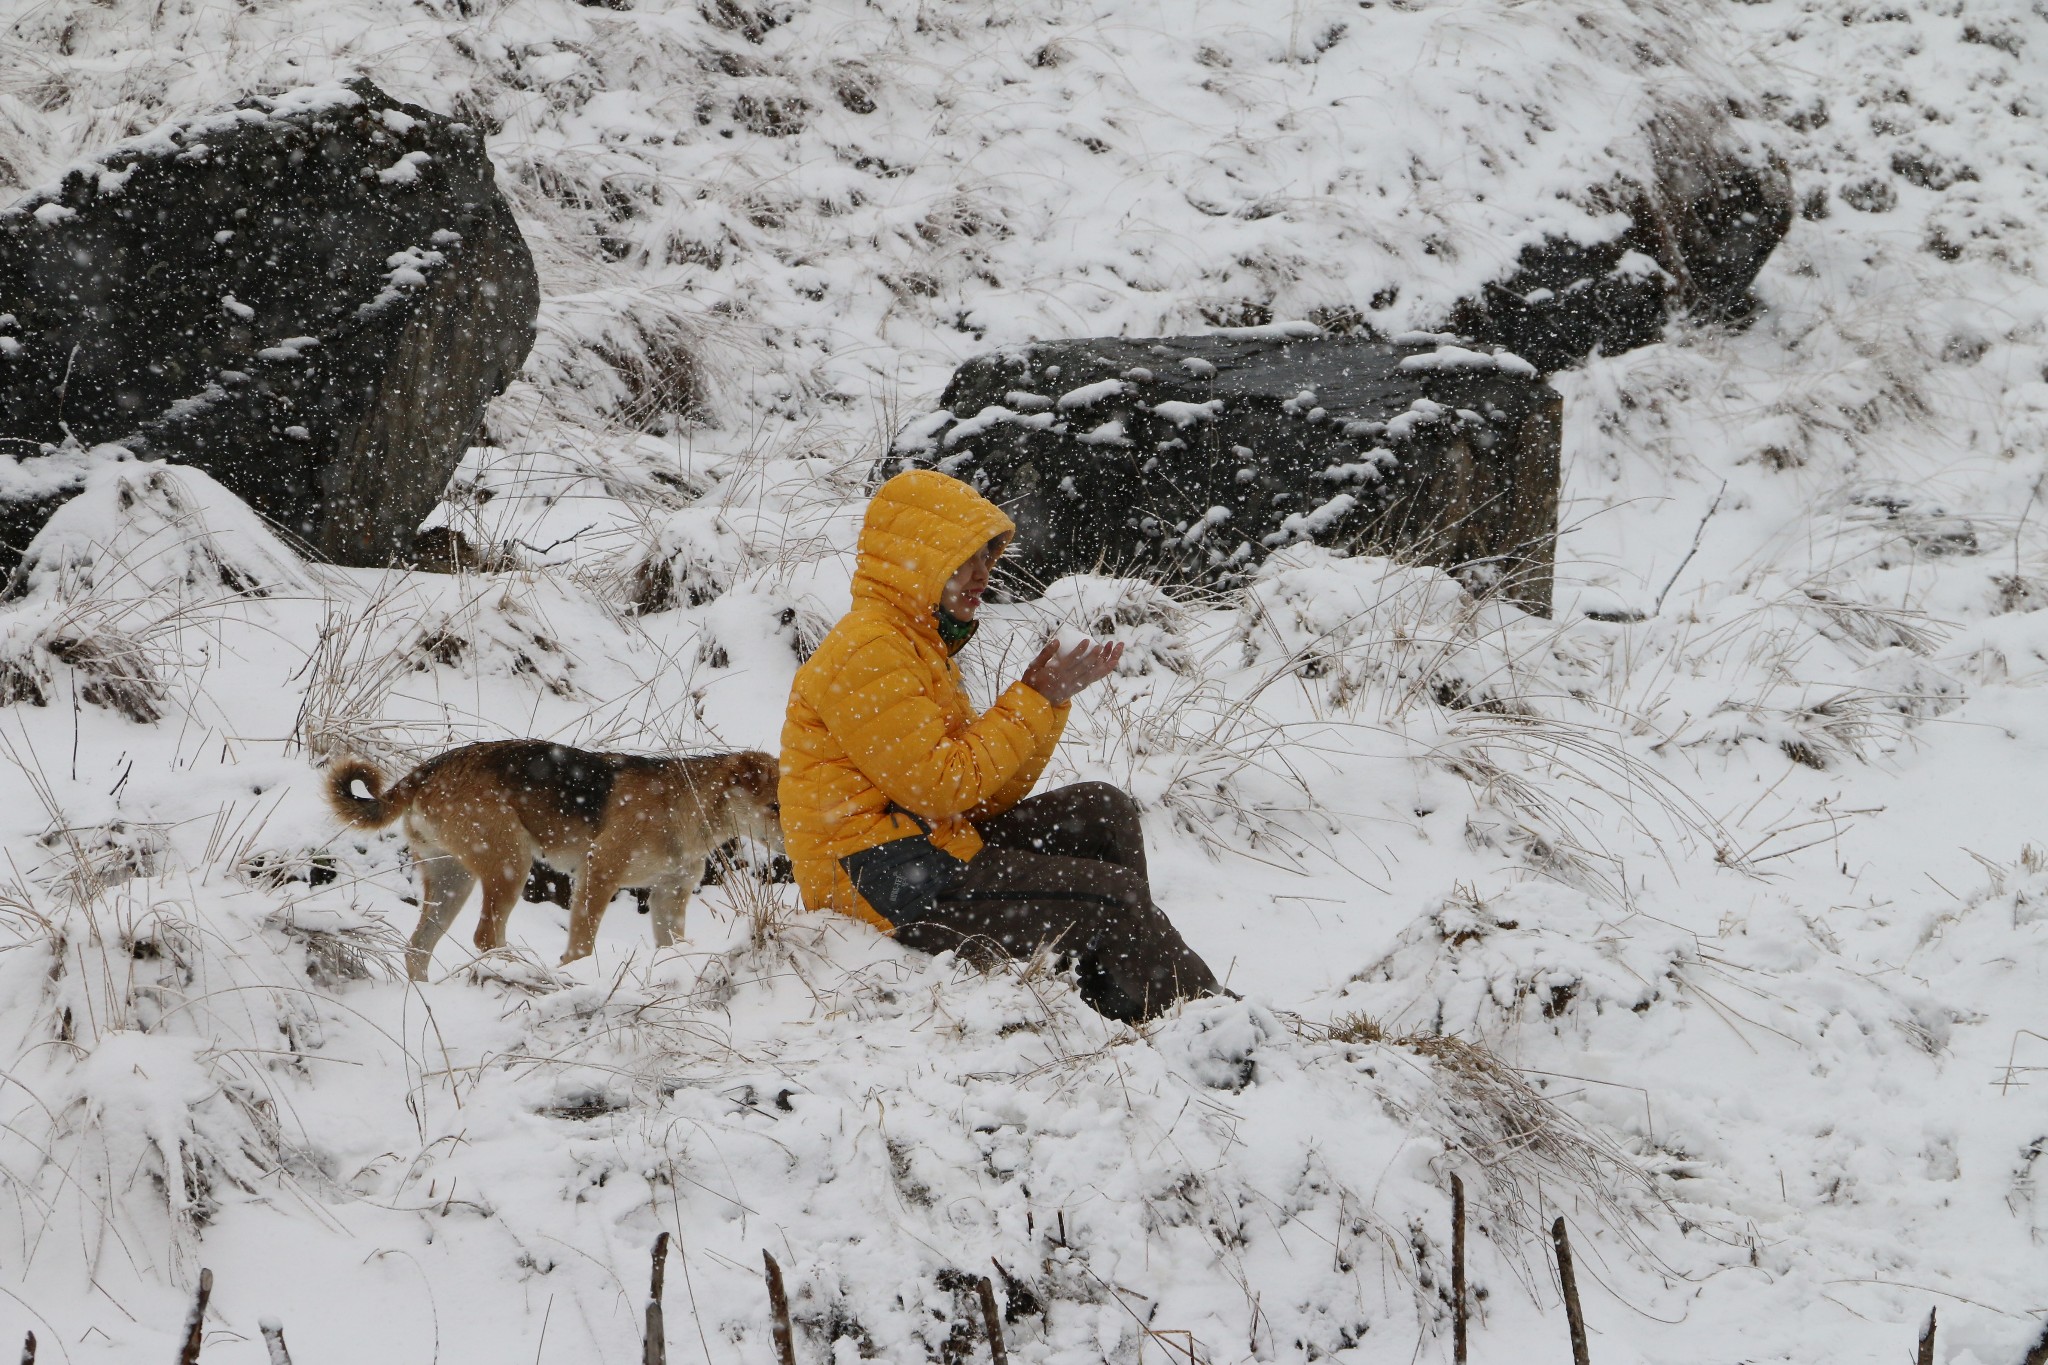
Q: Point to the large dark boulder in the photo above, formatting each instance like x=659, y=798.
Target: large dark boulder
x=1187, y=459
x=312, y=297
x=1690, y=241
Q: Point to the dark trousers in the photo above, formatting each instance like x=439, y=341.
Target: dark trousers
x=1067, y=869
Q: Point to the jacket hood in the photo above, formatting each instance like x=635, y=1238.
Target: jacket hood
x=920, y=527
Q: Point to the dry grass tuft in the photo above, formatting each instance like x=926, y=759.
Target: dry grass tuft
x=363, y=652
x=87, y=863
x=662, y=382
x=1872, y=625
x=766, y=906
x=1525, y=766
x=1523, y=1148
x=336, y=955
x=115, y=670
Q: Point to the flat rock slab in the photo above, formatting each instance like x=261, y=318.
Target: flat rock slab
x=312, y=297
x=1187, y=459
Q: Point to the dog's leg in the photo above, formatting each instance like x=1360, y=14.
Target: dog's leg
x=444, y=885
x=666, y=902
x=502, y=884
x=595, y=886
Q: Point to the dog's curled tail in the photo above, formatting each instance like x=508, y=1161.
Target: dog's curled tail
x=373, y=811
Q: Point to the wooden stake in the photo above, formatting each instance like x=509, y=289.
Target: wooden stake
x=28, y=1350
x=1926, y=1356
x=273, y=1338
x=654, y=1349
x=1572, y=1315
x=1458, y=1270
x=2039, y=1354
x=189, y=1353
x=990, y=1319
x=778, y=1306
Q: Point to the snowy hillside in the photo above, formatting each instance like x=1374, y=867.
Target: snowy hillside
x=1708, y=914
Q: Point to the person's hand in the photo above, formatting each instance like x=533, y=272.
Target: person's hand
x=1057, y=675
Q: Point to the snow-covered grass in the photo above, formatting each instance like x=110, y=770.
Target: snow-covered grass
x=1707, y=914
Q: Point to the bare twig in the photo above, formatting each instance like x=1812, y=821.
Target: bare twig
x=273, y=1339
x=778, y=1306
x=554, y=545
x=655, y=1349
x=64, y=393
x=1458, y=1270
x=28, y=1350
x=188, y=1354
x=1926, y=1356
x=992, y=1321
x=1573, y=1316
x=1715, y=507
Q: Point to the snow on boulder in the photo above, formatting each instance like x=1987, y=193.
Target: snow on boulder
x=1231, y=445
x=310, y=296
x=140, y=529
x=135, y=548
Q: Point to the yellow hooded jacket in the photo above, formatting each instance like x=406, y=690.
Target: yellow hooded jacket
x=878, y=717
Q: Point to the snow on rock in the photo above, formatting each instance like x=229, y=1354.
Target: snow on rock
x=102, y=588
x=1183, y=414
x=1088, y=394
x=1461, y=357
x=139, y=529
x=992, y=416
x=405, y=170
x=1312, y=523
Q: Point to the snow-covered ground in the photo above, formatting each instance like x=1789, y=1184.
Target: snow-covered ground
x=1710, y=914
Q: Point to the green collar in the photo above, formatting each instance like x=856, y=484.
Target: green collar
x=953, y=633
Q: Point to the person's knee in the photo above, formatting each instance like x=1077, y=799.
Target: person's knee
x=1108, y=808
x=1104, y=796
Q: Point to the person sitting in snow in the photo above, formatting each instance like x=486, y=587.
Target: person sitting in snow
x=902, y=807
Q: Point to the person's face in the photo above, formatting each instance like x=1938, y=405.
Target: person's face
x=963, y=592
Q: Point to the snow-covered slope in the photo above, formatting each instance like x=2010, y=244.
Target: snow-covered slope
x=1725, y=878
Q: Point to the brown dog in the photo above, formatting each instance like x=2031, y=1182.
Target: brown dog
x=485, y=812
